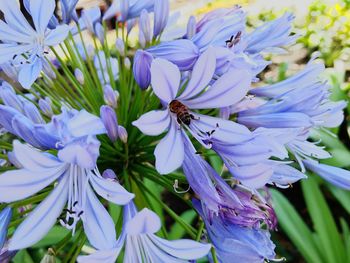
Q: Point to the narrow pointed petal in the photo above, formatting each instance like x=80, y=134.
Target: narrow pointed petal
x=40, y=221
x=19, y=184
x=154, y=122
x=170, y=151
x=98, y=225
x=254, y=176
x=337, y=176
x=111, y=190
x=15, y=18
x=165, y=79
x=144, y=222
x=57, y=35
x=226, y=91
x=41, y=11
x=103, y=256
x=183, y=248
x=33, y=160
x=202, y=74
x=29, y=73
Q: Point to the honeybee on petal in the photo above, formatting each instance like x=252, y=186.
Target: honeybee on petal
x=182, y=113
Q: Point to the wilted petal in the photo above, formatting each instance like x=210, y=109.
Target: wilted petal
x=165, y=79
x=110, y=190
x=202, y=74
x=41, y=11
x=98, y=225
x=226, y=91
x=40, y=221
x=29, y=73
x=154, y=122
x=170, y=151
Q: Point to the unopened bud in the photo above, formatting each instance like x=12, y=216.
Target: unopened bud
x=79, y=76
x=100, y=32
x=110, y=121
x=109, y=174
x=50, y=257
x=142, y=68
x=123, y=134
x=127, y=63
x=110, y=96
x=120, y=46
x=145, y=25
x=45, y=106
x=32, y=112
x=191, y=27
x=9, y=97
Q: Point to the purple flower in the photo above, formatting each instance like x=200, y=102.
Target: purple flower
x=141, y=243
x=17, y=37
x=74, y=188
x=178, y=116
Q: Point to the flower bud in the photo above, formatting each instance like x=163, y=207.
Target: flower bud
x=100, y=32
x=142, y=68
x=109, y=174
x=109, y=119
x=191, y=27
x=49, y=257
x=123, y=134
x=9, y=97
x=119, y=43
x=45, y=106
x=110, y=96
x=32, y=112
x=145, y=26
x=79, y=76
x=161, y=15
x=127, y=63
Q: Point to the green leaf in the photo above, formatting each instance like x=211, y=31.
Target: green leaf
x=343, y=196
x=329, y=239
x=296, y=229
x=177, y=231
x=23, y=257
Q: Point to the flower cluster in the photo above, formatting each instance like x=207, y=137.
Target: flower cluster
x=155, y=113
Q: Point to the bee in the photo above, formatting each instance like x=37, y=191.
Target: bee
x=182, y=113
x=233, y=40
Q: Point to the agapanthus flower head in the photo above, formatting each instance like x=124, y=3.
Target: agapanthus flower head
x=178, y=115
x=143, y=245
x=24, y=45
